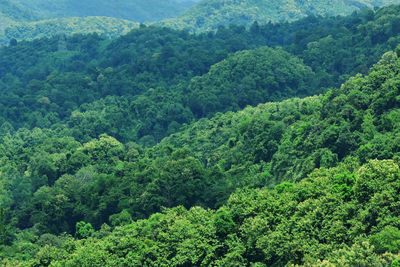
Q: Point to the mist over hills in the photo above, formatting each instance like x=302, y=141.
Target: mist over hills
x=209, y=14
x=107, y=26
x=27, y=19
x=10, y=13
x=137, y=10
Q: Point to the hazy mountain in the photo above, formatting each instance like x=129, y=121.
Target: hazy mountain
x=30, y=19
x=9, y=13
x=137, y=10
x=110, y=27
x=209, y=14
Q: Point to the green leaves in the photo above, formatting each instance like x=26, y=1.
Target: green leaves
x=285, y=176
x=343, y=184
x=223, y=223
x=209, y=15
x=5, y=227
x=387, y=240
x=249, y=78
x=284, y=187
x=306, y=224
x=83, y=230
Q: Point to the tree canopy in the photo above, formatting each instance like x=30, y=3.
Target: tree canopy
x=166, y=148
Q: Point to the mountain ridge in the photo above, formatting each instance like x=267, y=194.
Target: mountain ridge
x=26, y=31
x=210, y=14
x=137, y=11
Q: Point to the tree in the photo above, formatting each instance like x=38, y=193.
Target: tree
x=13, y=42
x=83, y=230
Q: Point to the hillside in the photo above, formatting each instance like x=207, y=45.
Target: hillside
x=287, y=140
x=110, y=27
x=27, y=20
x=158, y=82
x=202, y=16
x=127, y=68
x=210, y=14
x=323, y=219
x=276, y=145
x=10, y=13
x=137, y=11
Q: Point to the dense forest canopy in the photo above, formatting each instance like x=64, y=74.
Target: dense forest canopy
x=152, y=79
x=273, y=145
x=79, y=186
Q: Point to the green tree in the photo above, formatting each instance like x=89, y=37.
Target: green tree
x=83, y=230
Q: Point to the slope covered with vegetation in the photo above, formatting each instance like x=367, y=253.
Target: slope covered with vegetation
x=27, y=20
x=344, y=212
x=110, y=27
x=152, y=73
x=137, y=11
x=130, y=67
x=336, y=217
x=287, y=140
x=209, y=14
x=204, y=16
x=10, y=13
x=143, y=150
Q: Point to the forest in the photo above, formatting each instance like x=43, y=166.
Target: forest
x=33, y=19
x=108, y=27
x=138, y=10
x=272, y=145
x=210, y=14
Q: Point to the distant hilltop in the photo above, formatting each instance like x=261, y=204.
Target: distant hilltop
x=209, y=14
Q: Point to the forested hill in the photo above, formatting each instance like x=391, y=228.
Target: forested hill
x=109, y=27
x=27, y=19
x=10, y=13
x=209, y=14
x=273, y=145
x=344, y=213
x=171, y=70
x=137, y=10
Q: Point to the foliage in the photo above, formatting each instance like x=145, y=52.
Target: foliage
x=10, y=13
x=310, y=225
x=27, y=19
x=249, y=78
x=83, y=230
x=122, y=144
x=58, y=182
x=144, y=86
x=210, y=14
x=110, y=27
x=396, y=262
x=138, y=11
x=288, y=140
